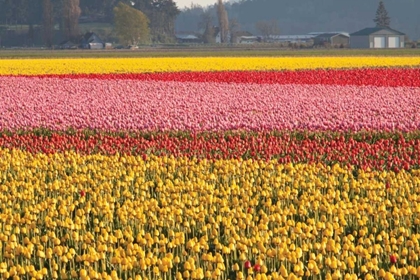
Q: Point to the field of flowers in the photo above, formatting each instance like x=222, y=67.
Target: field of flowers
x=210, y=168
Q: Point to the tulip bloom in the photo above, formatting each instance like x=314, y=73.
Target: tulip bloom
x=393, y=259
x=247, y=264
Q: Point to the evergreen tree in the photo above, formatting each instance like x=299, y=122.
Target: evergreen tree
x=382, y=19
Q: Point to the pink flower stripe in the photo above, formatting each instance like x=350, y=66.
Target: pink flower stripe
x=377, y=77
x=58, y=104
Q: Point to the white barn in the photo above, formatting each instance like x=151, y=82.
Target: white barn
x=377, y=38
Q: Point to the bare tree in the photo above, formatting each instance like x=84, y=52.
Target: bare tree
x=223, y=21
x=267, y=28
x=71, y=14
x=234, y=27
x=48, y=22
x=206, y=23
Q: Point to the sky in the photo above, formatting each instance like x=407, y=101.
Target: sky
x=182, y=3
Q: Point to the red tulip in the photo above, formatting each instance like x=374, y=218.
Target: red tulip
x=247, y=264
x=82, y=193
x=381, y=154
x=249, y=210
x=363, y=77
x=257, y=267
x=393, y=259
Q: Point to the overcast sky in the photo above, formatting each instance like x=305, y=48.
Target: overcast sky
x=182, y=3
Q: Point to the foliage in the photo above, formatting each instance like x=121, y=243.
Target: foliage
x=15, y=12
x=382, y=19
x=132, y=26
x=161, y=15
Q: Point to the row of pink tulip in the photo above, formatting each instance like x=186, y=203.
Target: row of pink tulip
x=60, y=103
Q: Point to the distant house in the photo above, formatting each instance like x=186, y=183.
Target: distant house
x=68, y=45
x=332, y=39
x=289, y=38
x=243, y=37
x=187, y=38
x=91, y=41
x=328, y=32
x=218, y=37
x=377, y=38
x=249, y=39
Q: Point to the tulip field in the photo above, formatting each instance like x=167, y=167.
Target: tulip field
x=210, y=168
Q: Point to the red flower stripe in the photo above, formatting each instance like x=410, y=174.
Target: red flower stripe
x=380, y=154
x=392, y=77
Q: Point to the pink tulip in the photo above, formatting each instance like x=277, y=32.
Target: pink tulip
x=59, y=104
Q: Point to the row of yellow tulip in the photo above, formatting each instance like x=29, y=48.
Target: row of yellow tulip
x=119, y=217
x=142, y=65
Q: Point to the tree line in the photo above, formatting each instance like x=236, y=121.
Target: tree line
x=163, y=17
x=301, y=17
x=160, y=15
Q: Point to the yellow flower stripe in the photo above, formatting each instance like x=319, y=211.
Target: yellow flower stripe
x=141, y=65
x=167, y=218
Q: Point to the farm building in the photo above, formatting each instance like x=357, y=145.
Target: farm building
x=247, y=39
x=329, y=32
x=377, y=37
x=187, y=38
x=91, y=41
x=218, y=37
x=290, y=38
x=67, y=44
x=332, y=39
x=244, y=37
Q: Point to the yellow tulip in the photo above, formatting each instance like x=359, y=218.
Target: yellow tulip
x=140, y=65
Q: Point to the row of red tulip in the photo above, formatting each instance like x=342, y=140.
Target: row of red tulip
x=371, y=150
x=393, y=77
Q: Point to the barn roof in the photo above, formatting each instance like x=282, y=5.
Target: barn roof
x=186, y=36
x=330, y=35
x=291, y=37
x=370, y=30
x=91, y=37
x=330, y=32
